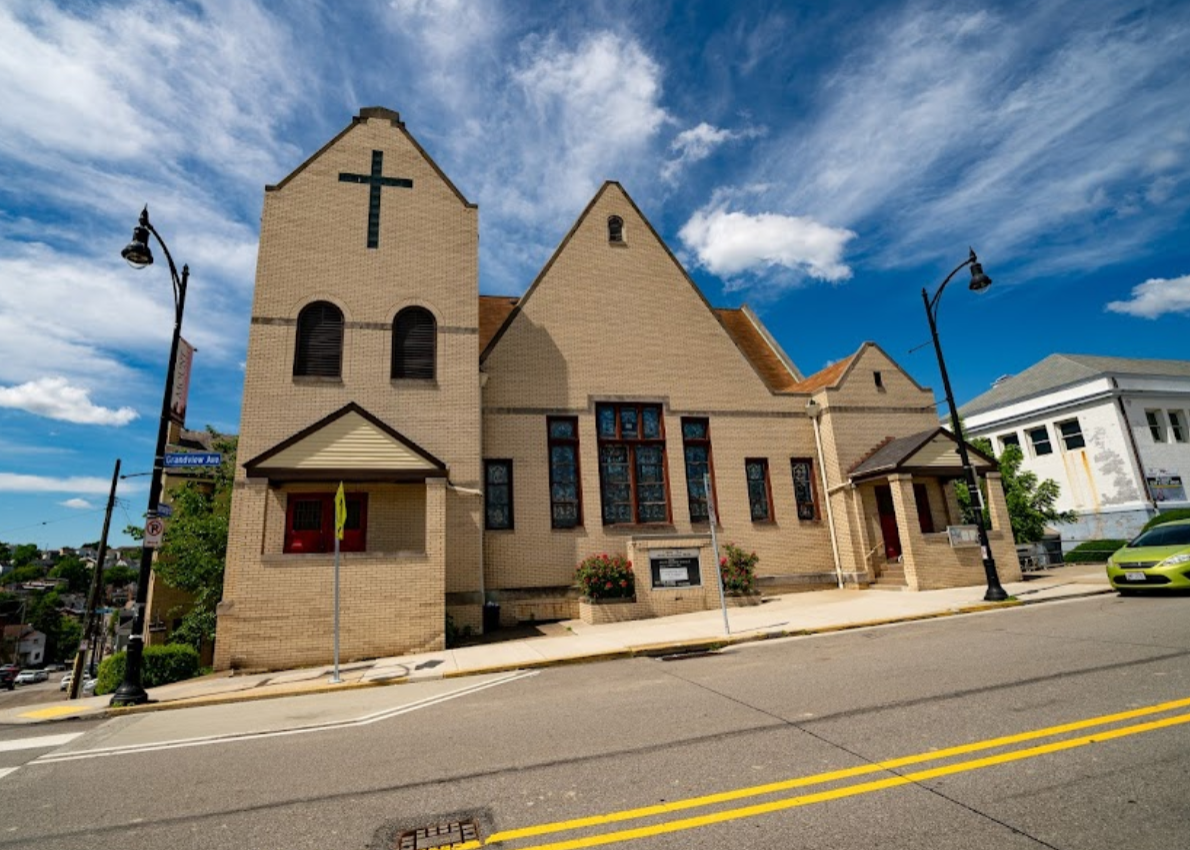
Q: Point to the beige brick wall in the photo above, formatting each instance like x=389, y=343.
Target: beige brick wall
x=313, y=247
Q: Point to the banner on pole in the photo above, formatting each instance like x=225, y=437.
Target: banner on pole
x=181, y=389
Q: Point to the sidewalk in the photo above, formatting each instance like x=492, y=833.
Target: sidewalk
x=574, y=641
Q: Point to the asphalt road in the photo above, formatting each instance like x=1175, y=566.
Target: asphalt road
x=1048, y=726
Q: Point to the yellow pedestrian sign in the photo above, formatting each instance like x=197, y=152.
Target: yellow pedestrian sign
x=340, y=512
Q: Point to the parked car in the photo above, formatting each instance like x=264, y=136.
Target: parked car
x=1157, y=559
x=29, y=677
x=88, y=683
x=8, y=676
x=66, y=680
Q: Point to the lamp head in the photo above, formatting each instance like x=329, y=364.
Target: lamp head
x=137, y=252
x=813, y=409
x=979, y=280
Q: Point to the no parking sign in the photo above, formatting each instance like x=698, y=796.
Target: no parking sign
x=154, y=528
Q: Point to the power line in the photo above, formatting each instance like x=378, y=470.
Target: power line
x=53, y=521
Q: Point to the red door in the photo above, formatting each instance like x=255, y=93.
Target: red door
x=888, y=522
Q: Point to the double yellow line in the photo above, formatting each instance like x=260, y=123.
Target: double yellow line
x=832, y=776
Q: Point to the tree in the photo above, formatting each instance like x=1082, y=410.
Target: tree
x=1031, y=502
x=119, y=575
x=5, y=552
x=29, y=572
x=76, y=573
x=194, y=548
x=25, y=553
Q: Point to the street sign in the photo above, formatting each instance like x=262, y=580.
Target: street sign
x=154, y=528
x=165, y=510
x=193, y=459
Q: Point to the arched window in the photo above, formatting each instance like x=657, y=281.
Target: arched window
x=415, y=344
x=319, y=350
x=615, y=229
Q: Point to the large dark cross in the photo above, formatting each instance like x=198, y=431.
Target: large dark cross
x=375, y=181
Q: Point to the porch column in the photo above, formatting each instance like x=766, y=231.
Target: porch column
x=1000, y=538
x=908, y=525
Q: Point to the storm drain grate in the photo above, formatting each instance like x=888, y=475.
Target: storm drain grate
x=438, y=837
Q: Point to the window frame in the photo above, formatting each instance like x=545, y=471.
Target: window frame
x=354, y=539
x=696, y=442
x=615, y=230
x=488, y=464
x=1067, y=439
x=1157, y=426
x=1177, y=425
x=1011, y=438
x=574, y=443
x=813, y=503
x=632, y=444
x=1035, y=444
x=398, y=359
x=306, y=366
x=771, y=516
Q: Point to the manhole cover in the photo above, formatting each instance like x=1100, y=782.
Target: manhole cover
x=438, y=837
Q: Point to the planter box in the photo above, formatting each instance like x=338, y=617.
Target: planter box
x=599, y=611
x=744, y=600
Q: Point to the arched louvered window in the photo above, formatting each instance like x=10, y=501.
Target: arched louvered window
x=615, y=229
x=319, y=350
x=415, y=343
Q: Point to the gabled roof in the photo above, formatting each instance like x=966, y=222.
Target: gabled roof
x=1064, y=370
x=762, y=351
x=350, y=445
x=932, y=452
x=364, y=114
x=493, y=310
x=828, y=377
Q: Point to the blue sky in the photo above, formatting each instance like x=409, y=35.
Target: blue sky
x=821, y=162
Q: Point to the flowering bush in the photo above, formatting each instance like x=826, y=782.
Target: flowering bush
x=606, y=577
x=738, y=568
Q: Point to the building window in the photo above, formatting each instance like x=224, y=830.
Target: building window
x=415, y=344
x=1011, y=439
x=310, y=523
x=1040, y=438
x=1072, y=434
x=1177, y=426
x=804, y=488
x=497, y=494
x=632, y=475
x=925, y=517
x=1156, y=425
x=615, y=229
x=565, y=492
x=760, y=491
x=319, y=349
x=696, y=442
x=879, y=379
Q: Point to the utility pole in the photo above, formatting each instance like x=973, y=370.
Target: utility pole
x=90, y=632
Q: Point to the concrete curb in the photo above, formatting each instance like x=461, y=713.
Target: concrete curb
x=693, y=645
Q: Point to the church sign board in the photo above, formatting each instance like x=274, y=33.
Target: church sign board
x=675, y=568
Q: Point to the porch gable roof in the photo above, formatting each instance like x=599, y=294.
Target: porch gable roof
x=933, y=452
x=350, y=445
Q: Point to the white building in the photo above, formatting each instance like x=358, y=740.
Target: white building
x=1112, y=431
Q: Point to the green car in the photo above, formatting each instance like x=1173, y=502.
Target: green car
x=1158, y=559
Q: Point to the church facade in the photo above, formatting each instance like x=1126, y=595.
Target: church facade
x=487, y=445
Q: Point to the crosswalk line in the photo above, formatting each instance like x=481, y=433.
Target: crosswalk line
x=41, y=742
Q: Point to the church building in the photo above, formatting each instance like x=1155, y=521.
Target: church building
x=487, y=444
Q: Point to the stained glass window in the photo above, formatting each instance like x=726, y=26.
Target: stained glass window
x=632, y=473
x=498, y=494
x=759, y=491
x=697, y=447
x=565, y=490
x=803, y=488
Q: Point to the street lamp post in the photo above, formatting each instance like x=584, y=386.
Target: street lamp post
x=979, y=282
x=138, y=255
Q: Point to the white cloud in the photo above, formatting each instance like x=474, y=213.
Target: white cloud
x=1156, y=297
x=733, y=243
x=697, y=143
x=56, y=398
x=78, y=504
x=11, y=482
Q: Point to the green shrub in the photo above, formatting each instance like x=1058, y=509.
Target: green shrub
x=1167, y=516
x=738, y=569
x=606, y=577
x=1093, y=551
x=160, y=666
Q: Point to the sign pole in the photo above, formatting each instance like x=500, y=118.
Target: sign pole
x=340, y=521
x=715, y=545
